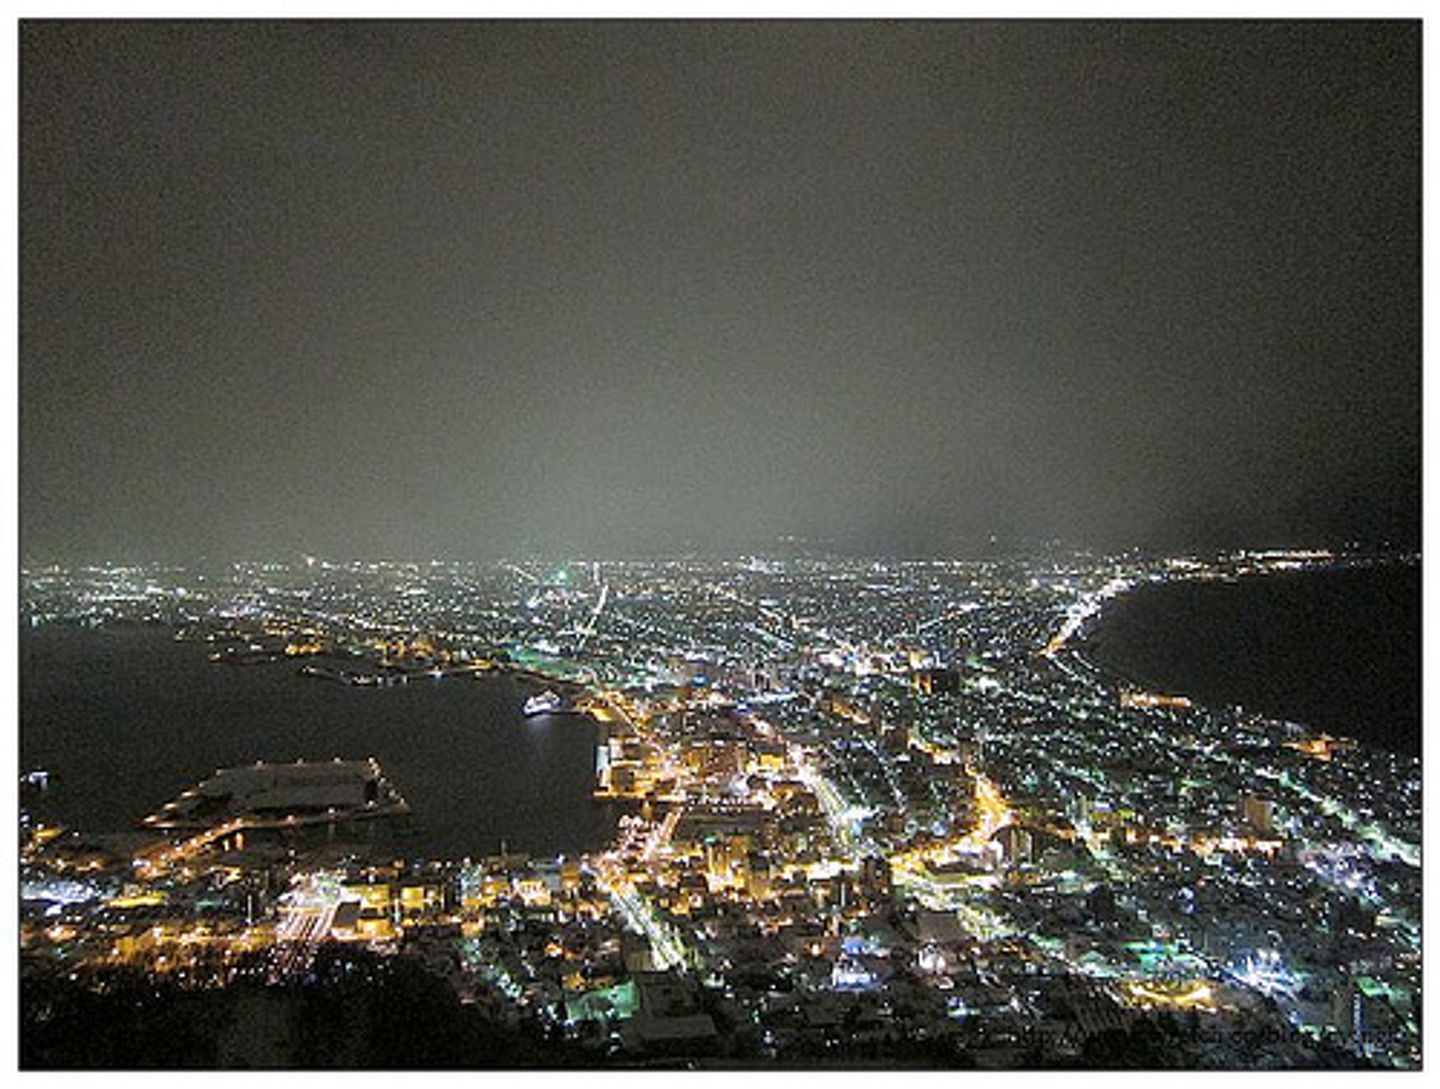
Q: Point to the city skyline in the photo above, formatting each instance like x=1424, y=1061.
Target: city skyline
x=753, y=545
x=810, y=810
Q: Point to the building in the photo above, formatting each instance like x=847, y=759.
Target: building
x=277, y=795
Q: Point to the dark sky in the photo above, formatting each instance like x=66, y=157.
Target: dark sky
x=455, y=290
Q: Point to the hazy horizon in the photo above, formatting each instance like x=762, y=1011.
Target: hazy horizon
x=472, y=289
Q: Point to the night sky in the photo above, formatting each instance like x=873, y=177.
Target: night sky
x=469, y=289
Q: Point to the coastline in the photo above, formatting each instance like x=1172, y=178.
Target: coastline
x=455, y=747
x=1128, y=639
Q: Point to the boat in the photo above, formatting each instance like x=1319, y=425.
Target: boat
x=543, y=704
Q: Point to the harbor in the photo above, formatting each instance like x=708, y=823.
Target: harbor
x=99, y=704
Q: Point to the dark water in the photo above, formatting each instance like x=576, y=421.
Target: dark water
x=1337, y=650
x=126, y=719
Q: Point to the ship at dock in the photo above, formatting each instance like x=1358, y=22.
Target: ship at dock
x=545, y=703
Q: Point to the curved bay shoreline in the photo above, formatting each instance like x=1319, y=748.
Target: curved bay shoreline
x=1335, y=650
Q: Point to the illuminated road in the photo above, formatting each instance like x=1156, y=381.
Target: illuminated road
x=788, y=621
x=911, y=868
x=307, y=913
x=666, y=947
x=837, y=814
x=660, y=837
x=992, y=814
x=1382, y=844
x=1082, y=611
x=616, y=705
x=640, y=842
x=589, y=628
x=189, y=848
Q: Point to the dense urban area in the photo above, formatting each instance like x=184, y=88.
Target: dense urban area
x=872, y=813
